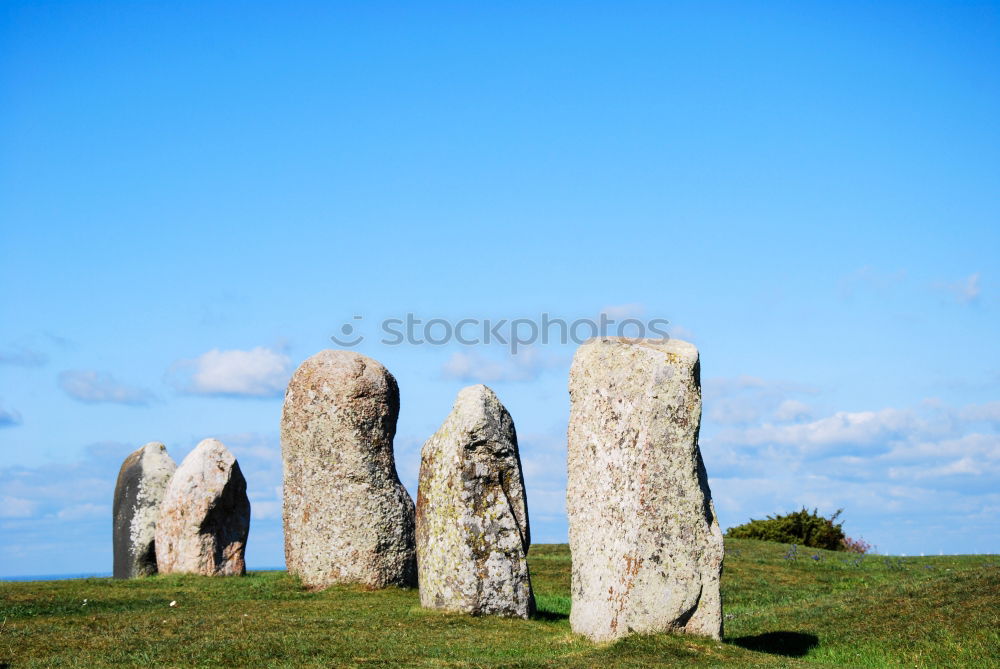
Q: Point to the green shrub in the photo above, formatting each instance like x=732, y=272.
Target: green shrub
x=799, y=527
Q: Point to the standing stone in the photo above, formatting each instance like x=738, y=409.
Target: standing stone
x=472, y=513
x=347, y=517
x=646, y=545
x=142, y=482
x=205, y=515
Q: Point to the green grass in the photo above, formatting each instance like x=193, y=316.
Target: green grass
x=926, y=612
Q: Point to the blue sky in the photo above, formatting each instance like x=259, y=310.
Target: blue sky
x=194, y=198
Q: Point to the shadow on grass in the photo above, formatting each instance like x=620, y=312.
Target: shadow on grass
x=789, y=644
x=549, y=616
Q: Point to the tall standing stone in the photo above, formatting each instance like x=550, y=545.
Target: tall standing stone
x=646, y=545
x=205, y=516
x=142, y=482
x=347, y=517
x=472, y=513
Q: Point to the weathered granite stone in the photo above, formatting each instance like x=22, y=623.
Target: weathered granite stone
x=347, y=517
x=472, y=513
x=646, y=545
x=205, y=515
x=142, y=482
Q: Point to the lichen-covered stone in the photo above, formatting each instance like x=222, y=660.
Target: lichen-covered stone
x=646, y=545
x=472, y=513
x=347, y=517
x=205, y=515
x=142, y=483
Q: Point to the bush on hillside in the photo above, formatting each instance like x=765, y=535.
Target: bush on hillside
x=803, y=528
x=856, y=545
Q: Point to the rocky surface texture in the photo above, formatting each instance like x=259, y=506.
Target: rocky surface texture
x=347, y=517
x=205, y=515
x=647, y=549
x=472, y=513
x=142, y=483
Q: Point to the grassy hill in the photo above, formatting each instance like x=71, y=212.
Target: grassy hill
x=783, y=608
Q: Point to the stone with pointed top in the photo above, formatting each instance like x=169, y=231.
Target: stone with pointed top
x=472, y=513
x=205, y=515
x=347, y=517
x=142, y=483
x=646, y=545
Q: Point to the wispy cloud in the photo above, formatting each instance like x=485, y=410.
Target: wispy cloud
x=743, y=400
x=28, y=351
x=964, y=291
x=86, y=510
x=844, y=428
x=968, y=290
x=9, y=417
x=49, y=489
x=792, y=410
x=16, y=507
x=94, y=387
x=525, y=365
x=22, y=356
x=259, y=372
x=988, y=412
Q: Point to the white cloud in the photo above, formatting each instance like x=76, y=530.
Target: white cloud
x=9, y=417
x=16, y=507
x=966, y=465
x=989, y=412
x=792, y=410
x=259, y=372
x=94, y=387
x=266, y=510
x=86, y=510
x=966, y=462
x=525, y=365
x=842, y=429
